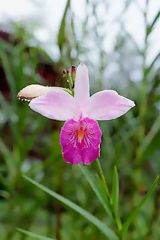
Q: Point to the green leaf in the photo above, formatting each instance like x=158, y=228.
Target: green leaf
x=9, y=74
x=115, y=190
x=151, y=26
x=34, y=235
x=8, y=158
x=150, y=67
x=136, y=210
x=97, y=187
x=102, y=177
x=61, y=34
x=100, y=225
x=149, y=138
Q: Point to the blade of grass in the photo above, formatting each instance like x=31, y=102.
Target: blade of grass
x=148, y=139
x=34, y=235
x=100, y=193
x=61, y=33
x=151, y=26
x=115, y=190
x=7, y=156
x=100, y=225
x=102, y=177
x=8, y=72
x=115, y=198
x=150, y=67
x=136, y=210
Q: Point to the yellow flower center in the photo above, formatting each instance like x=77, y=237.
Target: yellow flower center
x=80, y=134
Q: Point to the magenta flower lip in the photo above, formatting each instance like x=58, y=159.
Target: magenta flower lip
x=80, y=141
x=80, y=136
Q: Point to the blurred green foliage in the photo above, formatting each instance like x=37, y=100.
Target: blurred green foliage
x=29, y=143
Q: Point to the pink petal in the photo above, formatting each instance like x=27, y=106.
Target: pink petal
x=81, y=89
x=107, y=105
x=80, y=152
x=33, y=91
x=56, y=104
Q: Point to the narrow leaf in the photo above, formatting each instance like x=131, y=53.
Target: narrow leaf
x=102, y=177
x=115, y=190
x=97, y=188
x=61, y=34
x=148, y=139
x=34, y=235
x=101, y=226
x=136, y=210
x=149, y=68
x=8, y=72
x=151, y=26
x=7, y=157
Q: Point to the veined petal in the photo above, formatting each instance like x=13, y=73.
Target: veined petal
x=56, y=104
x=107, y=105
x=81, y=89
x=33, y=91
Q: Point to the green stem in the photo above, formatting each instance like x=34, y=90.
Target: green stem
x=100, y=172
x=70, y=82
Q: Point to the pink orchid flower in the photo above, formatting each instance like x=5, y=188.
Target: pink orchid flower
x=80, y=136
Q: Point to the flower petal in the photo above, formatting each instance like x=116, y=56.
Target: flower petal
x=84, y=150
x=56, y=104
x=33, y=91
x=81, y=89
x=107, y=105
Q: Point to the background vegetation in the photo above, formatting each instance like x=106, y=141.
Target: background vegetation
x=29, y=143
